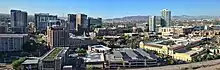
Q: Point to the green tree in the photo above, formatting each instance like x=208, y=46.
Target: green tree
x=130, y=43
x=16, y=64
x=78, y=50
x=81, y=51
x=146, y=39
x=170, y=61
x=89, y=67
x=126, y=37
x=30, y=46
x=111, y=43
x=99, y=37
x=133, y=42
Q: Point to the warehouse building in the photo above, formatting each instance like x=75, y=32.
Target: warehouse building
x=130, y=58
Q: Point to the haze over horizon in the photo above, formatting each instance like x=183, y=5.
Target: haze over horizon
x=113, y=8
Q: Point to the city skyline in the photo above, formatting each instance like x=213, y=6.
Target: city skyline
x=112, y=8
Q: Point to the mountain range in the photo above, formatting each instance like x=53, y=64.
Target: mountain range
x=129, y=18
x=145, y=18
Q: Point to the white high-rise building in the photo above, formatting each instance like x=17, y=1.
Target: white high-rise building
x=152, y=23
x=166, y=18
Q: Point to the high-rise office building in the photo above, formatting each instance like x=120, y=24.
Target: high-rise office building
x=94, y=22
x=42, y=20
x=72, y=22
x=81, y=23
x=57, y=36
x=166, y=18
x=18, y=21
x=152, y=23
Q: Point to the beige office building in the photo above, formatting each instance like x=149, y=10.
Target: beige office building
x=57, y=37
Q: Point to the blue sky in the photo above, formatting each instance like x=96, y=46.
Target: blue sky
x=114, y=8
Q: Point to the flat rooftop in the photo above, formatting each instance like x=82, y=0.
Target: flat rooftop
x=30, y=62
x=174, y=43
x=13, y=35
x=69, y=66
x=130, y=54
x=193, y=52
x=94, y=57
x=53, y=54
x=79, y=37
x=101, y=47
x=111, y=36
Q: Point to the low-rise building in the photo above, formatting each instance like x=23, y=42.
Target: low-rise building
x=54, y=59
x=206, y=33
x=98, y=48
x=81, y=41
x=131, y=34
x=67, y=67
x=76, y=62
x=198, y=28
x=111, y=37
x=30, y=65
x=189, y=55
x=105, y=31
x=94, y=58
x=214, y=27
x=179, y=49
x=130, y=58
x=12, y=42
x=177, y=31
